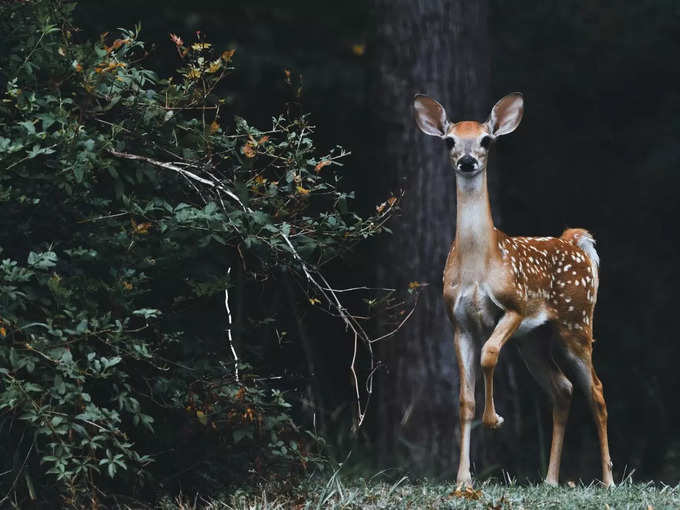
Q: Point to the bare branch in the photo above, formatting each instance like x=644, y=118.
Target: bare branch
x=186, y=173
x=229, y=338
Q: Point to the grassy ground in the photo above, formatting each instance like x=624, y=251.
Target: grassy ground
x=334, y=494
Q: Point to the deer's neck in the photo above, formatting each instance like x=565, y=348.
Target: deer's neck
x=475, y=234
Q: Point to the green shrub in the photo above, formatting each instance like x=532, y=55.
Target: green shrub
x=129, y=205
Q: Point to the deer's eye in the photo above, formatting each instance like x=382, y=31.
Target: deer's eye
x=486, y=141
x=450, y=143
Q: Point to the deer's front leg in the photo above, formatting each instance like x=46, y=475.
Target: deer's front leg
x=467, y=374
x=490, y=351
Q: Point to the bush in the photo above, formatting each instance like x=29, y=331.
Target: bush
x=132, y=213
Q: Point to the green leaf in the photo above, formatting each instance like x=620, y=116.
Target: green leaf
x=147, y=313
x=42, y=260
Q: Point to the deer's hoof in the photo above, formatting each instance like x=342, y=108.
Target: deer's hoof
x=551, y=482
x=464, y=482
x=492, y=421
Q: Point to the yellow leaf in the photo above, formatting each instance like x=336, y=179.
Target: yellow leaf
x=392, y=201
x=193, y=72
x=302, y=190
x=358, y=49
x=215, y=66
x=200, y=46
x=314, y=301
x=3, y=331
x=140, y=228
x=127, y=285
x=61, y=52
x=214, y=126
x=226, y=55
x=467, y=493
x=202, y=417
x=321, y=164
x=414, y=285
x=260, y=180
x=248, y=150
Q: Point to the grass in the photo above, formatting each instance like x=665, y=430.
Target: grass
x=337, y=494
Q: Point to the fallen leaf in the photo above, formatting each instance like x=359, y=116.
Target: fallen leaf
x=467, y=493
x=214, y=126
x=3, y=331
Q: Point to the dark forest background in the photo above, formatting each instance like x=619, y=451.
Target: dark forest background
x=598, y=148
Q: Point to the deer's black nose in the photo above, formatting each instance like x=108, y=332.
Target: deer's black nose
x=467, y=164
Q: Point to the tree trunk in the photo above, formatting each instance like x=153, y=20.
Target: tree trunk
x=440, y=48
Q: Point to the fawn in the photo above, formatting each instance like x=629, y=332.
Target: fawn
x=538, y=290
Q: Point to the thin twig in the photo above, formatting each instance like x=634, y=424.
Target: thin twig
x=229, y=337
x=352, y=289
x=350, y=323
x=21, y=469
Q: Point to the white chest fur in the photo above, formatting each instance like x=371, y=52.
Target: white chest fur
x=475, y=309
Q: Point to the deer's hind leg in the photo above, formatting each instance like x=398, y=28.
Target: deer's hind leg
x=578, y=349
x=536, y=351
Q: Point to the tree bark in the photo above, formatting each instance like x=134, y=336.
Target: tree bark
x=440, y=48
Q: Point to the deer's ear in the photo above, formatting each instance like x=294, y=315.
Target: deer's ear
x=506, y=114
x=430, y=116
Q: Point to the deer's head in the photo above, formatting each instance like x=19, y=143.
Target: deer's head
x=468, y=141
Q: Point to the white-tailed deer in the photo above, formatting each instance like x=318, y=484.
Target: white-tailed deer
x=539, y=290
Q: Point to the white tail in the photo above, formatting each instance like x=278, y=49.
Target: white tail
x=539, y=290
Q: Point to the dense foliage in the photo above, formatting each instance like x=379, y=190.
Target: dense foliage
x=134, y=212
